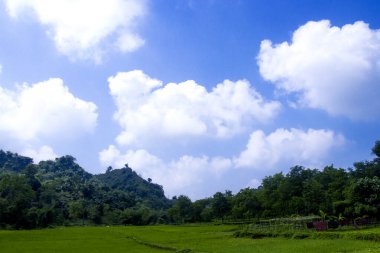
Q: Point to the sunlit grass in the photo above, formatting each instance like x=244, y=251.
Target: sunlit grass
x=167, y=239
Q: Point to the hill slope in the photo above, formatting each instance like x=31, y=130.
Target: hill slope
x=61, y=192
x=127, y=180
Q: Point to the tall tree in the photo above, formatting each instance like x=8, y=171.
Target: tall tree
x=220, y=204
x=16, y=197
x=182, y=209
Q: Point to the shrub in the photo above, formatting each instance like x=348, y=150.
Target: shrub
x=301, y=235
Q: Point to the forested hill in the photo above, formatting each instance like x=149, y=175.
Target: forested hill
x=13, y=162
x=127, y=180
x=61, y=192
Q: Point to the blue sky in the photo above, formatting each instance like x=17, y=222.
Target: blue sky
x=200, y=96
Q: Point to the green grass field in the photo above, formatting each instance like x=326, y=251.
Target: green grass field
x=167, y=239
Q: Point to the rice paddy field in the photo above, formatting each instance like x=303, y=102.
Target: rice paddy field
x=203, y=238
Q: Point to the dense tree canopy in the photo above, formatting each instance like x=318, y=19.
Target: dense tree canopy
x=335, y=192
x=60, y=192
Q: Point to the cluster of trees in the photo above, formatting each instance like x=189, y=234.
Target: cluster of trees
x=60, y=192
x=337, y=192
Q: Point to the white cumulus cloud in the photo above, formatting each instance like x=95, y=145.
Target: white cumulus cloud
x=284, y=148
x=148, y=109
x=83, y=29
x=336, y=69
x=254, y=183
x=43, y=153
x=201, y=176
x=44, y=110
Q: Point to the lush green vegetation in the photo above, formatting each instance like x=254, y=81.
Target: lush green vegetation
x=166, y=239
x=335, y=194
x=60, y=192
x=370, y=233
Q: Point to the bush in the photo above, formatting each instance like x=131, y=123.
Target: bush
x=365, y=236
x=301, y=235
x=333, y=224
x=327, y=235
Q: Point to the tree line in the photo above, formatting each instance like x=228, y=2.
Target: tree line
x=336, y=192
x=60, y=192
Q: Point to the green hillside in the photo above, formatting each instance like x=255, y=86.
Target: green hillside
x=127, y=180
x=60, y=192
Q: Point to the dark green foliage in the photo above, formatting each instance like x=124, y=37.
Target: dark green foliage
x=221, y=204
x=60, y=192
x=376, y=149
x=366, y=197
x=246, y=204
x=202, y=210
x=127, y=180
x=341, y=195
x=13, y=162
x=182, y=210
x=304, y=234
x=369, y=168
x=63, y=167
x=142, y=216
x=16, y=198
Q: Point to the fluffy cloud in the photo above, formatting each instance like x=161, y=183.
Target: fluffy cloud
x=329, y=68
x=43, y=153
x=139, y=160
x=147, y=108
x=150, y=112
x=284, y=148
x=202, y=176
x=187, y=175
x=254, y=183
x=80, y=28
x=42, y=111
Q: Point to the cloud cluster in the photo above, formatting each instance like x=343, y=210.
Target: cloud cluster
x=84, y=29
x=147, y=109
x=43, y=153
x=283, y=148
x=329, y=68
x=264, y=153
x=44, y=109
x=40, y=113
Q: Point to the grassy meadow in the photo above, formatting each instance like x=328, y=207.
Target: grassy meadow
x=168, y=239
